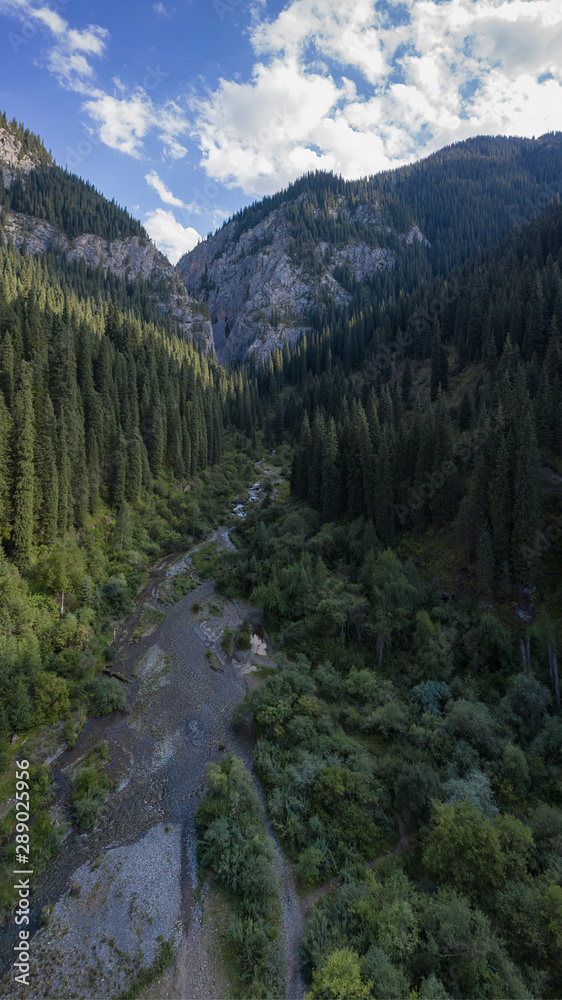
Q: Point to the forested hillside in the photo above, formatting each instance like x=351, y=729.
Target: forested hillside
x=325, y=244
x=409, y=740
x=411, y=747
x=45, y=191
x=95, y=405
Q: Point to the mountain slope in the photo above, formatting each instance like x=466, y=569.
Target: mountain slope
x=45, y=209
x=276, y=264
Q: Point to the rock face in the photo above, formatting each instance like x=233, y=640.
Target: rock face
x=259, y=286
x=14, y=159
x=129, y=257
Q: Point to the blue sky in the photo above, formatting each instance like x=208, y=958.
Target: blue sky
x=186, y=111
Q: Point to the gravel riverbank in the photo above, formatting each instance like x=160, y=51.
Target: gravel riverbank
x=120, y=889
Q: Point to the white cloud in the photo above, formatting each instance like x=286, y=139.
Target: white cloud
x=122, y=123
x=156, y=182
x=338, y=86
x=161, y=10
x=68, y=57
x=123, y=119
x=170, y=236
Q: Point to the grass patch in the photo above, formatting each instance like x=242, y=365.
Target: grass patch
x=214, y=662
x=149, y=620
x=233, y=845
x=152, y=670
x=207, y=561
x=176, y=587
x=91, y=787
x=164, y=959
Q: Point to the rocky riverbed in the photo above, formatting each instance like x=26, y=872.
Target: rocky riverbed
x=118, y=890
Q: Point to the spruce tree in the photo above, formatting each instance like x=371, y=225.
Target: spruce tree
x=330, y=474
x=526, y=502
x=24, y=471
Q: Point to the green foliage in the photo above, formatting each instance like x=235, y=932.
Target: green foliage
x=309, y=864
x=340, y=978
x=243, y=635
x=431, y=696
x=108, y=695
x=164, y=960
x=234, y=846
x=91, y=788
x=463, y=850
x=51, y=698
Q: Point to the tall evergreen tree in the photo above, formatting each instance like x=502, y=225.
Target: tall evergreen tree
x=24, y=471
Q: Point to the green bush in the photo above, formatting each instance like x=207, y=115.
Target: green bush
x=116, y=595
x=226, y=641
x=108, y=695
x=90, y=790
x=308, y=865
x=243, y=639
x=88, y=808
x=234, y=846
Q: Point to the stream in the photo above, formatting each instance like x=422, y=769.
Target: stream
x=118, y=889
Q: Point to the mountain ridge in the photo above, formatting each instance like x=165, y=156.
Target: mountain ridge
x=129, y=253
x=307, y=249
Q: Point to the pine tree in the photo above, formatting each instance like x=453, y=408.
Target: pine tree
x=465, y=413
x=406, y=382
x=439, y=363
x=485, y=559
x=47, y=473
x=5, y=437
x=24, y=472
x=330, y=474
x=501, y=509
x=526, y=501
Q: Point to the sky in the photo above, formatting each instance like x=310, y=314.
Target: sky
x=186, y=111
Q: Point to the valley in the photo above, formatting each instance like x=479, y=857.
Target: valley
x=280, y=602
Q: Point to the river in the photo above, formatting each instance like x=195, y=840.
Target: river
x=120, y=888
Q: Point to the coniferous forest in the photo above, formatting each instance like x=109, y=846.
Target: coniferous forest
x=409, y=742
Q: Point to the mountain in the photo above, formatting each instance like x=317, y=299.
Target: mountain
x=324, y=243
x=403, y=546
x=46, y=209
x=266, y=279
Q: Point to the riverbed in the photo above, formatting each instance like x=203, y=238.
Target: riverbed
x=116, y=891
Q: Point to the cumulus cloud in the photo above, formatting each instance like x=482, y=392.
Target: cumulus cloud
x=356, y=86
x=170, y=236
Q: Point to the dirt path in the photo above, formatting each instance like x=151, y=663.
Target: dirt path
x=324, y=890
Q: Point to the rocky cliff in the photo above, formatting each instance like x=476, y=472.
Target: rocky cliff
x=129, y=256
x=261, y=283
